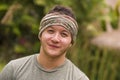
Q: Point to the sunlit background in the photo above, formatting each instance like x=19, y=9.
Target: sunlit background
x=97, y=48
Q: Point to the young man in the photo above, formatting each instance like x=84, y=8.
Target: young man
x=57, y=33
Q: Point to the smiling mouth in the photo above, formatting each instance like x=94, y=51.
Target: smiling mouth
x=54, y=46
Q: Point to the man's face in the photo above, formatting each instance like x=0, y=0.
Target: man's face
x=55, y=41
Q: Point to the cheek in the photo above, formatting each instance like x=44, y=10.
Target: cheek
x=44, y=37
x=66, y=41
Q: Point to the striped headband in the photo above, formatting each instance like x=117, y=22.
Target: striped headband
x=59, y=19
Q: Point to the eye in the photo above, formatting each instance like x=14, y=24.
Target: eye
x=64, y=34
x=50, y=31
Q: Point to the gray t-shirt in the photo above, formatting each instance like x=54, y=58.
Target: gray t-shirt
x=27, y=68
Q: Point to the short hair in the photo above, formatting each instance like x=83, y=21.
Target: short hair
x=62, y=10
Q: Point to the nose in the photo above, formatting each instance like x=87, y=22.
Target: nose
x=56, y=38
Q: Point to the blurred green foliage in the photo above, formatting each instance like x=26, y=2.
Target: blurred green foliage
x=19, y=34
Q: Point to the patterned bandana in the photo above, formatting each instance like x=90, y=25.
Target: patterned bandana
x=59, y=19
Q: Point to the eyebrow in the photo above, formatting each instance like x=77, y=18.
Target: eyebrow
x=65, y=30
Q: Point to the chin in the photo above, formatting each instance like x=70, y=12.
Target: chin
x=55, y=54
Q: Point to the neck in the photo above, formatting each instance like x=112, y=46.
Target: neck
x=50, y=62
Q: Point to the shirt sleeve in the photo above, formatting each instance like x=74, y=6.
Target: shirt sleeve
x=7, y=72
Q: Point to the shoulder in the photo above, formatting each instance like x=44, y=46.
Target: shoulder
x=21, y=61
x=18, y=64
x=14, y=66
x=77, y=73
